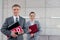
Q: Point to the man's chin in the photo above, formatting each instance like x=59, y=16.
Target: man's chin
x=16, y=15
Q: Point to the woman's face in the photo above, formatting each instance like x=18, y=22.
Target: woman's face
x=32, y=16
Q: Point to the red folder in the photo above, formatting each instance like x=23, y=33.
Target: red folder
x=33, y=28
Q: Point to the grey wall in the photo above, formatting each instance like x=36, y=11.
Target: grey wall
x=47, y=12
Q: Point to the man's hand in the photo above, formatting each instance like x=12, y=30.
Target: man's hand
x=13, y=34
x=21, y=32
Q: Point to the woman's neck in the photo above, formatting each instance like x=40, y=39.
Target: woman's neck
x=32, y=20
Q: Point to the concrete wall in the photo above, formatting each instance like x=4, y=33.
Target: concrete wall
x=47, y=12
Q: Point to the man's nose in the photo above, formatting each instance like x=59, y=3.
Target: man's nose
x=16, y=10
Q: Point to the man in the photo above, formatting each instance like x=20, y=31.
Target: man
x=10, y=20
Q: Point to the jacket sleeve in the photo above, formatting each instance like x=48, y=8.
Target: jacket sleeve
x=24, y=26
x=4, y=28
x=39, y=29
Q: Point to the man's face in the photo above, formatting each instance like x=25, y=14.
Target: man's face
x=16, y=10
x=32, y=16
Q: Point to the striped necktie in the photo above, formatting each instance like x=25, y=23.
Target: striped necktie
x=16, y=19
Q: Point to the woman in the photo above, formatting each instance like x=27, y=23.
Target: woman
x=32, y=21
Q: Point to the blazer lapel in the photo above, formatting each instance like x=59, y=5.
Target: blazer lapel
x=19, y=20
x=12, y=19
x=29, y=23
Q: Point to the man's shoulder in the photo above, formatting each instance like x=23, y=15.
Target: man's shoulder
x=9, y=17
x=22, y=17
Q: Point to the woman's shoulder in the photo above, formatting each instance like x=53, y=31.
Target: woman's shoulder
x=28, y=22
x=36, y=20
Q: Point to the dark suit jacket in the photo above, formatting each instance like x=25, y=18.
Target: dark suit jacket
x=9, y=21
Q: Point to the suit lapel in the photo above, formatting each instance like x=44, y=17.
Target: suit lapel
x=12, y=19
x=19, y=20
x=29, y=23
x=35, y=22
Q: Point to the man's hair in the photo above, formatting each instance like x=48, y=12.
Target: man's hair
x=32, y=13
x=16, y=5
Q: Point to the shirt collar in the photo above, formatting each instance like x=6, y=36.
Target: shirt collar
x=16, y=17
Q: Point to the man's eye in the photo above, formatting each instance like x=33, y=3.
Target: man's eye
x=17, y=9
x=14, y=9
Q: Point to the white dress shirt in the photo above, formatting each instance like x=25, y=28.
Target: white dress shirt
x=32, y=22
x=15, y=18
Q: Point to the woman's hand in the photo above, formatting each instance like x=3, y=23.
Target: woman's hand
x=32, y=35
x=29, y=30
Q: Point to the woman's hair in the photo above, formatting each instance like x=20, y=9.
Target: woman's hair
x=32, y=13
